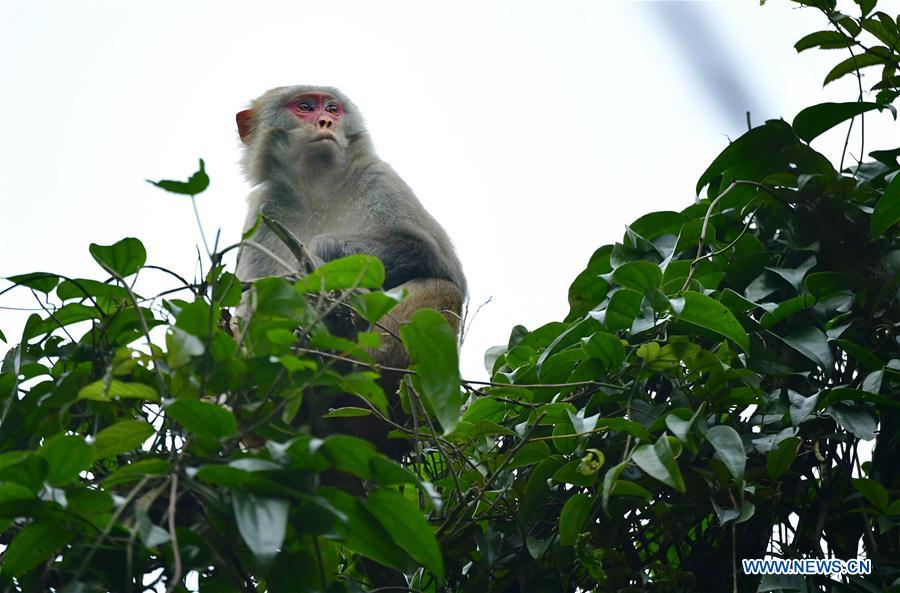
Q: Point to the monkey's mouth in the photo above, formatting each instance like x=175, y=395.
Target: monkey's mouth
x=325, y=136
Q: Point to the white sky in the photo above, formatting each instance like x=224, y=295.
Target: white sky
x=532, y=130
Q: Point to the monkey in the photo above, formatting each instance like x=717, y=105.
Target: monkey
x=314, y=169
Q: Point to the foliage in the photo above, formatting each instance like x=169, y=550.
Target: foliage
x=710, y=397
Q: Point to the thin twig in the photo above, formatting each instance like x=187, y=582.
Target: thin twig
x=703, y=230
x=173, y=535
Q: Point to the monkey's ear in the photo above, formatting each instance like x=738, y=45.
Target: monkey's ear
x=245, y=123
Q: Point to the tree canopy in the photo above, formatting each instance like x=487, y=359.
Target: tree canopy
x=711, y=396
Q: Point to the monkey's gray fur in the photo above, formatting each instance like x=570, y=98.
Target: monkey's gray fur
x=337, y=197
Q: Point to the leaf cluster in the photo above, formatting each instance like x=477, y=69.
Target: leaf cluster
x=724, y=386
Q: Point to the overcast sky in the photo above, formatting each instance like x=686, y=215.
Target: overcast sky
x=534, y=131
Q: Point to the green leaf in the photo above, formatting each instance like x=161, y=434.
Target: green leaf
x=39, y=281
x=262, y=523
x=151, y=534
x=349, y=454
x=182, y=347
x=708, y=313
x=680, y=427
x=347, y=412
x=372, y=306
x=658, y=461
x=812, y=343
x=122, y=258
x=532, y=452
x=626, y=488
x=623, y=307
x=655, y=224
x=574, y=513
x=824, y=40
x=355, y=271
x=203, y=419
x=610, y=480
x=759, y=143
x=856, y=420
x=82, y=288
x=580, y=472
x=588, y=288
x=874, y=492
x=67, y=456
x=197, y=182
x=408, y=528
x=137, y=470
x=866, y=6
x=431, y=344
x=638, y=275
x=815, y=120
x=887, y=210
x=33, y=545
x=852, y=64
x=824, y=284
x=97, y=391
x=883, y=28
x=364, y=534
x=728, y=445
x=606, y=348
x=782, y=456
x=123, y=436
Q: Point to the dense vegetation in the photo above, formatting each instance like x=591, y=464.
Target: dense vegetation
x=711, y=396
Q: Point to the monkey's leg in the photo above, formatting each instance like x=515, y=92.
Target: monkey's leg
x=423, y=293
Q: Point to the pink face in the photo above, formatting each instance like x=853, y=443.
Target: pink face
x=321, y=110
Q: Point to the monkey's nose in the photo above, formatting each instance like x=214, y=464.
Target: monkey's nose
x=325, y=123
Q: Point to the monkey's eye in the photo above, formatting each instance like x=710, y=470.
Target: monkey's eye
x=331, y=108
x=304, y=106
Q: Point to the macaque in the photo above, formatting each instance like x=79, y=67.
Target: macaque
x=314, y=170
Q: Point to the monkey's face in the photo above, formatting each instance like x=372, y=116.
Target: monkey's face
x=319, y=119
x=304, y=125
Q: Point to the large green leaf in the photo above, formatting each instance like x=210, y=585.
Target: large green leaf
x=606, y=348
x=709, y=313
x=355, y=271
x=262, y=523
x=39, y=281
x=824, y=40
x=815, y=120
x=431, y=344
x=121, y=437
x=638, y=275
x=122, y=258
x=182, y=347
x=33, y=545
x=349, y=454
x=623, y=307
x=782, y=456
x=856, y=420
x=67, y=456
x=756, y=145
x=887, y=210
x=658, y=461
x=364, y=534
x=202, y=418
x=99, y=391
x=874, y=492
x=574, y=513
x=852, y=64
x=728, y=445
x=197, y=182
x=408, y=528
x=812, y=343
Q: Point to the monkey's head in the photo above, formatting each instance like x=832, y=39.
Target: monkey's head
x=318, y=124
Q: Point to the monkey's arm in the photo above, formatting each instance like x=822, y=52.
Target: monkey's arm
x=406, y=255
